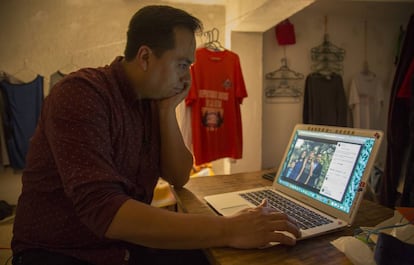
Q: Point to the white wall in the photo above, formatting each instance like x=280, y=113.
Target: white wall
x=47, y=35
x=250, y=49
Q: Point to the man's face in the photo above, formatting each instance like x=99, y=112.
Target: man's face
x=170, y=74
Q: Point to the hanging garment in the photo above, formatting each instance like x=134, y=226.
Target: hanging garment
x=23, y=103
x=398, y=125
x=285, y=33
x=4, y=155
x=324, y=100
x=407, y=198
x=366, y=97
x=54, y=78
x=404, y=90
x=215, y=96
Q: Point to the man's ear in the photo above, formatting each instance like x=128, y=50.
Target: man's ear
x=143, y=56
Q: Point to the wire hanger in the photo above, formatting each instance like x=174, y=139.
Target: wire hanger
x=26, y=74
x=213, y=42
x=284, y=73
x=283, y=88
x=327, y=51
x=327, y=57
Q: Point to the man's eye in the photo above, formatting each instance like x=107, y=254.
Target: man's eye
x=183, y=66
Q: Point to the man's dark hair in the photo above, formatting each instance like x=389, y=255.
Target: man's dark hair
x=154, y=26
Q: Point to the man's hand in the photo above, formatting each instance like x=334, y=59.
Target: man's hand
x=172, y=102
x=258, y=227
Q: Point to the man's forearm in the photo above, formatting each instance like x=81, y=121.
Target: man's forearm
x=144, y=225
x=176, y=159
x=141, y=224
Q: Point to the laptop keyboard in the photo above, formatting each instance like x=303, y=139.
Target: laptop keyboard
x=305, y=217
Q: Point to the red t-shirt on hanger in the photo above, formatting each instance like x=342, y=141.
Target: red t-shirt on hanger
x=215, y=96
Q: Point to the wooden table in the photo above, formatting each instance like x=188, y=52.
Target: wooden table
x=316, y=250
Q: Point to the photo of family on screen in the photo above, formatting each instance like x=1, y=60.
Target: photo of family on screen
x=309, y=163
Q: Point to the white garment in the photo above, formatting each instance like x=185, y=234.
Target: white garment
x=366, y=97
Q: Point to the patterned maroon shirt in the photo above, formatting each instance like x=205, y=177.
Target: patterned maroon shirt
x=95, y=147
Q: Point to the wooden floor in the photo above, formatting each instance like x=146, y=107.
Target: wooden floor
x=6, y=227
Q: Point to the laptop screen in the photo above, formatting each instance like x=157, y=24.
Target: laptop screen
x=327, y=167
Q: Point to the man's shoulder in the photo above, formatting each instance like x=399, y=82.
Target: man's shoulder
x=99, y=79
x=87, y=74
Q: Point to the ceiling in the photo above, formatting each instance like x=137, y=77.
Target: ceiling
x=254, y=18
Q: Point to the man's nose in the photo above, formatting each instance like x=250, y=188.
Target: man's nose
x=186, y=79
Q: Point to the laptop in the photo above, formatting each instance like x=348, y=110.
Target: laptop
x=320, y=181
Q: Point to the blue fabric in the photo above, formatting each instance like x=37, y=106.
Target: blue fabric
x=23, y=103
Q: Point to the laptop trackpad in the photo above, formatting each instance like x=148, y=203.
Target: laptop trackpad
x=233, y=209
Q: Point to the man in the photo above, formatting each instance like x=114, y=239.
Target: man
x=104, y=137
